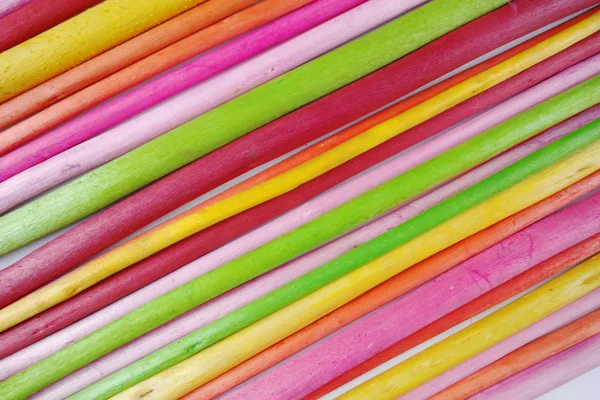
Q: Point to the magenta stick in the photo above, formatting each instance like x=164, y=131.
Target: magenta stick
x=565, y=315
x=547, y=375
x=341, y=351
x=203, y=97
x=246, y=293
x=310, y=210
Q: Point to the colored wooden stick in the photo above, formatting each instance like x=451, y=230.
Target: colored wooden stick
x=59, y=316
x=548, y=374
x=483, y=334
x=524, y=357
x=261, y=286
x=310, y=235
x=252, y=110
x=176, y=35
x=513, y=287
x=171, y=83
x=79, y=39
x=195, y=371
x=35, y=17
x=199, y=219
x=320, y=363
x=297, y=128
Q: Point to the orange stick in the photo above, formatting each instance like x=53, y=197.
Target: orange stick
x=93, y=83
x=400, y=284
x=524, y=357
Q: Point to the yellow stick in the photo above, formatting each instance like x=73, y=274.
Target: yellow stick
x=217, y=359
x=482, y=335
x=173, y=231
x=80, y=38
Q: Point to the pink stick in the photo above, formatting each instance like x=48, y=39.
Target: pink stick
x=246, y=293
x=548, y=374
x=565, y=315
x=204, y=97
x=341, y=351
x=301, y=215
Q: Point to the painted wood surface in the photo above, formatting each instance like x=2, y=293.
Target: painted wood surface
x=65, y=137
x=326, y=227
x=216, y=128
x=196, y=220
x=419, y=238
x=229, y=83
x=35, y=16
x=234, y=50
x=447, y=292
x=250, y=291
x=483, y=334
x=80, y=38
x=513, y=287
x=526, y=354
x=144, y=45
x=178, y=255
x=297, y=128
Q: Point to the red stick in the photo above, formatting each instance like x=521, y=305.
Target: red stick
x=37, y=16
x=531, y=277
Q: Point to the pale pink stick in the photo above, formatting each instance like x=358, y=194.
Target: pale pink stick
x=238, y=297
x=548, y=374
x=200, y=99
x=295, y=218
x=552, y=322
x=161, y=88
x=343, y=350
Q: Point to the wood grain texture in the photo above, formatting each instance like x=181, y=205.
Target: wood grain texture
x=301, y=126
x=310, y=235
x=513, y=287
x=80, y=38
x=216, y=128
x=198, y=219
x=526, y=356
x=548, y=374
x=250, y=291
x=482, y=334
x=251, y=42
x=186, y=251
x=415, y=309
x=36, y=16
x=421, y=238
x=176, y=30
